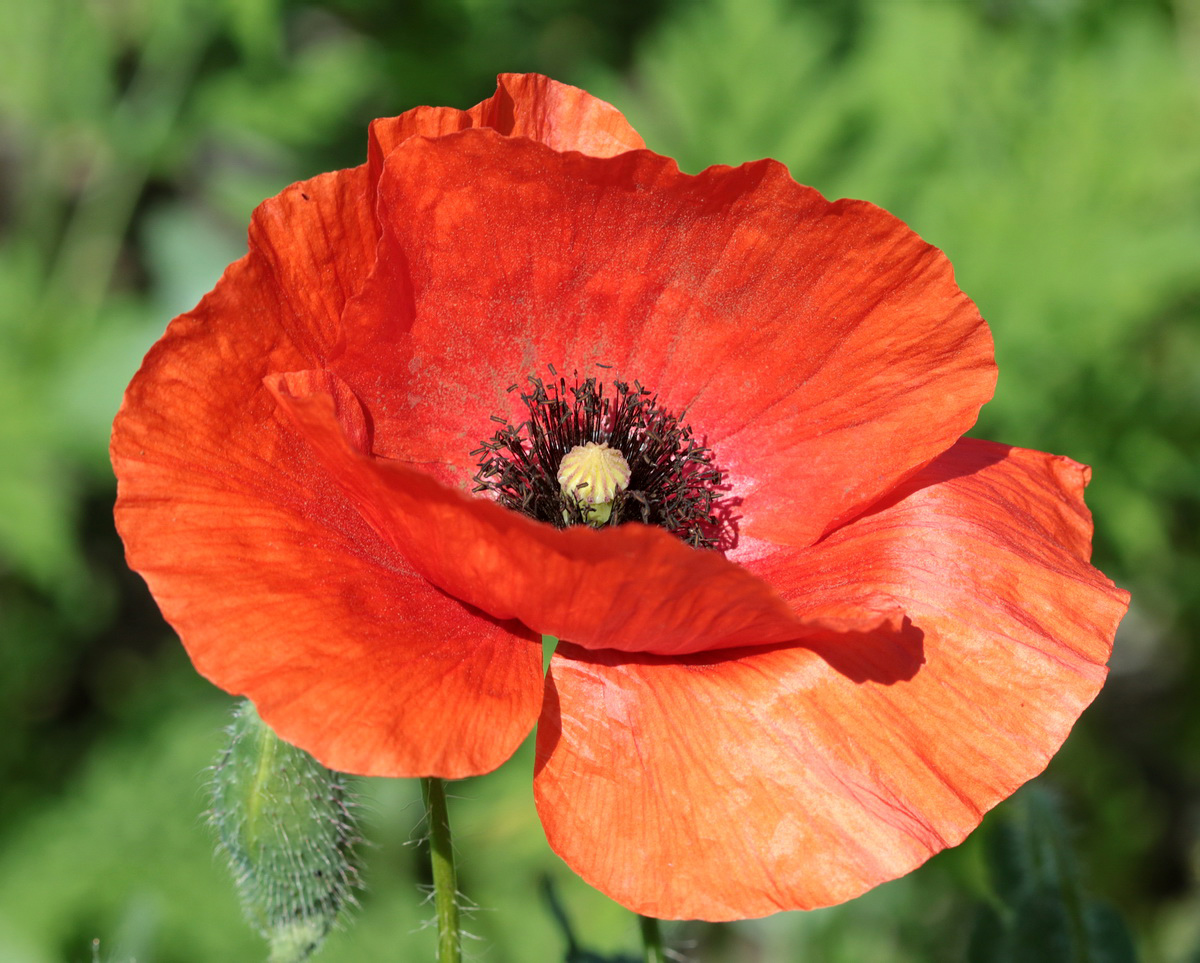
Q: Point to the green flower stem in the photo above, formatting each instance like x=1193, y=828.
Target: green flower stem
x=549, y=644
x=652, y=945
x=445, y=881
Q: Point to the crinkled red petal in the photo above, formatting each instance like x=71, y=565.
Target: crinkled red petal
x=633, y=588
x=822, y=350
x=276, y=586
x=788, y=778
x=524, y=105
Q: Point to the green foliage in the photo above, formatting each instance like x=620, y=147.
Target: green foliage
x=99, y=860
x=1041, y=910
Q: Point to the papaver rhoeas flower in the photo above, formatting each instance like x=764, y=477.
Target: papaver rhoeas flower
x=821, y=633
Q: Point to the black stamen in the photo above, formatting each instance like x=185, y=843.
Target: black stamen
x=672, y=476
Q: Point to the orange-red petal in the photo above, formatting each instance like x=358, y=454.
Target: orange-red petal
x=822, y=350
x=524, y=105
x=345, y=651
x=790, y=778
x=275, y=585
x=634, y=588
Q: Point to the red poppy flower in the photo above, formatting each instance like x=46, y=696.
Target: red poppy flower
x=885, y=630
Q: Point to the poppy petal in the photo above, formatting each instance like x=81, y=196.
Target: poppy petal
x=311, y=248
x=277, y=588
x=822, y=350
x=788, y=778
x=346, y=654
x=524, y=105
x=634, y=588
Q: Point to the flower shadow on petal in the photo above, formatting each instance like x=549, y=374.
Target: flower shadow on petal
x=884, y=658
x=872, y=657
x=937, y=472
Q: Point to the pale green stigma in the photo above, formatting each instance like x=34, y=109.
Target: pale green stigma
x=593, y=474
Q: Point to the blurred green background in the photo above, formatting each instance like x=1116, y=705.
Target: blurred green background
x=1050, y=147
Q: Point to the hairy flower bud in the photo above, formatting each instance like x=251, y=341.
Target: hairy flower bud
x=286, y=824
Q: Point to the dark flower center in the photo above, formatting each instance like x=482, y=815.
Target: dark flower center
x=566, y=463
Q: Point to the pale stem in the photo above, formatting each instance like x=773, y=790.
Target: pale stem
x=445, y=881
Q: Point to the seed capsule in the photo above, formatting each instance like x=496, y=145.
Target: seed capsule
x=593, y=474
